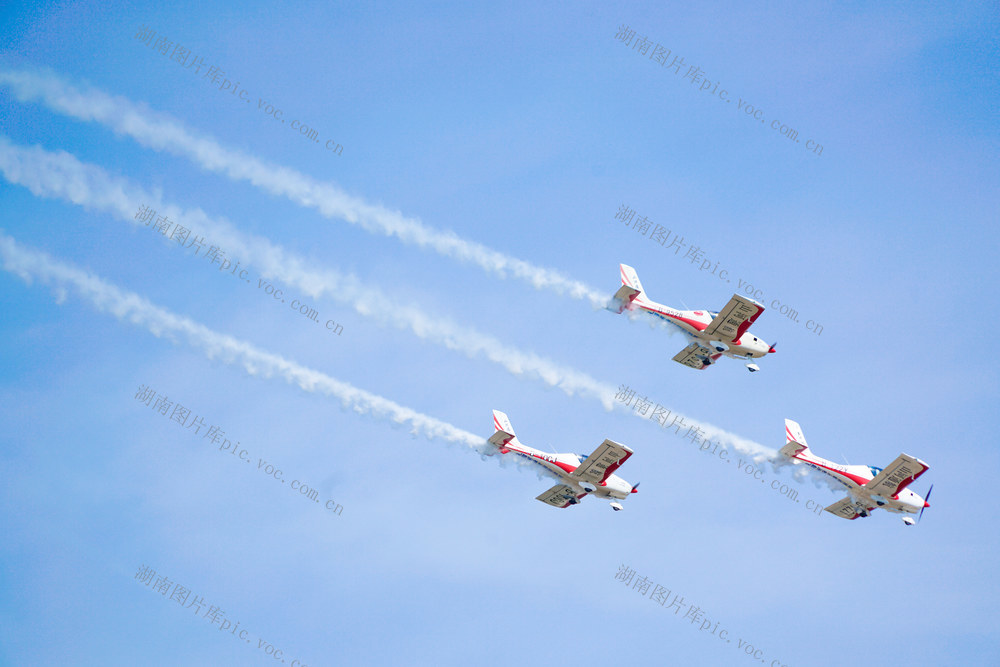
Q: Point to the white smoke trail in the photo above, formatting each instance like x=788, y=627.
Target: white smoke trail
x=31, y=264
x=163, y=133
x=803, y=473
x=62, y=175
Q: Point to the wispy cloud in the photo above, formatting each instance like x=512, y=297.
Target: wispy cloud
x=163, y=133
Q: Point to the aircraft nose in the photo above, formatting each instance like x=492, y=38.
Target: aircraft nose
x=926, y=504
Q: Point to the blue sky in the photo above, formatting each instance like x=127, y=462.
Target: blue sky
x=520, y=130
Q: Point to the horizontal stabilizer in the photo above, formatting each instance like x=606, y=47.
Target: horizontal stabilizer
x=623, y=298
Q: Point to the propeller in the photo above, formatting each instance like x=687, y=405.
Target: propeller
x=635, y=489
x=927, y=503
x=774, y=347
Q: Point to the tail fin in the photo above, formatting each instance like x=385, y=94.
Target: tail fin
x=795, y=441
x=504, y=431
x=630, y=290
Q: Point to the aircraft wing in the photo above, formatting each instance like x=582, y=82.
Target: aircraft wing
x=560, y=495
x=734, y=319
x=694, y=355
x=845, y=508
x=897, y=476
x=596, y=468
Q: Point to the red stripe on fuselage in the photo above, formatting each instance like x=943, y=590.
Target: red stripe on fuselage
x=860, y=481
x=695, y=324
x=540, y=459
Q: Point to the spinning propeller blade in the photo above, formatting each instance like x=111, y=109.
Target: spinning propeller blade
x=927, y=503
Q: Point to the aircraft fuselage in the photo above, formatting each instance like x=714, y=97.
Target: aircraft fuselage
x=561, y=466
x=694, y=322
x=855, y=478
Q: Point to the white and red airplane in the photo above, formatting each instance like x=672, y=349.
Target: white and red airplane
x=577, y=475
x=868, y=487
x=714, y=333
